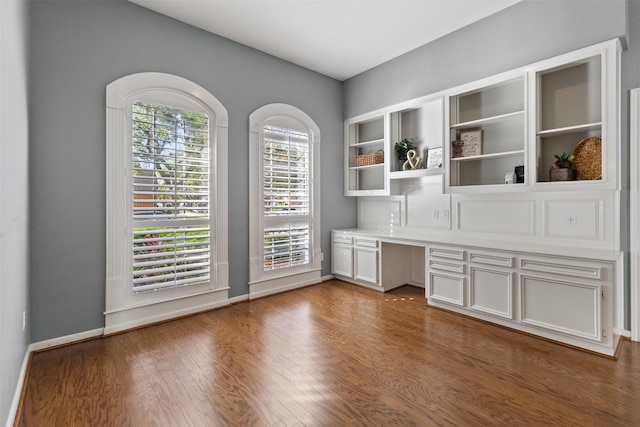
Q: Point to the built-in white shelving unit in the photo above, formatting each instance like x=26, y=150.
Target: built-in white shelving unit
x=536, y=255
x=493, y=112
x=367, y=136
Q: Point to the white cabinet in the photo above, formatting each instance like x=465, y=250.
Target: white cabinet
x=376, y=264
x=342, y=259
x=566, y=296
x=491, y=283
x=560, y=298
x=356, y=259
x=446, y=279
x=366, y=256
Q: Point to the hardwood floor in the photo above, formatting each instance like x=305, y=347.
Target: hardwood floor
x=332, y=354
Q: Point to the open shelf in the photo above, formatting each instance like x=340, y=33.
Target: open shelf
x=416, y=173
x=489, y=156
x=569, y=102
x=490, y=120
x=367, y=143
x=376, y=166
x=496, y=114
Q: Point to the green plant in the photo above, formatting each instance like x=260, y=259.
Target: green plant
x=563, y=161
x=402, y=147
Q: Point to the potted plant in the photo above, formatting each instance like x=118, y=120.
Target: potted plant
x=563, y=169
x=402, y=147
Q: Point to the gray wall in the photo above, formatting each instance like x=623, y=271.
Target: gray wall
x=527, y=32
x=77, y=48
x=14, y=185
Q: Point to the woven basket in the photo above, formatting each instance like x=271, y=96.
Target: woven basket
x=588, y=158
x=369, y=158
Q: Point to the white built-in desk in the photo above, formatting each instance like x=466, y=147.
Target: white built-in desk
x=562, y=294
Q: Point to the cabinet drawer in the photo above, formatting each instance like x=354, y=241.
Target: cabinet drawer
x=449, y=253
x=367, y=243
x=436, y=264
x=575, y=269
x=446, y=288
x=491, y=259
x=343, y=238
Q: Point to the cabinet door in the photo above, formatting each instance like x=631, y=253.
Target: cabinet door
x=366, y=267
x=446, y=288
x=564, y=306
x=342, y=261
x=491, y=291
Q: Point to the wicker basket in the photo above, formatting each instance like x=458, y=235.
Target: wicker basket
x=588, y=158
x=369, y=158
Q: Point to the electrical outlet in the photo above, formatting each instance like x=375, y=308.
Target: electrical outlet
x=435, y=214
x=571, y=220
x=24, y=320
x=445, y=214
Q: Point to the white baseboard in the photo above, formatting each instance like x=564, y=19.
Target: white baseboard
x=13, y=410
x=148, y=314
x=67, y=339
x=238, y=299
x=276, y=286
x=622, y=332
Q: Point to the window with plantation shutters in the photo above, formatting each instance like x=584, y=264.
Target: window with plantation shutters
x=166, y=200
x=285, y=197
x=284, y=189
x=170, y=190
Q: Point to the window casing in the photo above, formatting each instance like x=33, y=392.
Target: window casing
x=166, y=200
x=284, y=208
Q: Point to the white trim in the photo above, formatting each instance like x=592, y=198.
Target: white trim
x=262, y=282
x=182, y=93
x=238, y=299
x=276, y=286
x=13, y=409
x=634, y=211
x=622, y=332
x=64, y=340
x=135, y=317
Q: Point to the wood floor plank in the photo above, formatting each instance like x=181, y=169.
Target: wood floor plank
x=332, y=354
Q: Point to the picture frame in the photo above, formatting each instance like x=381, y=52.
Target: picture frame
x=434, y=158
x=469, y=143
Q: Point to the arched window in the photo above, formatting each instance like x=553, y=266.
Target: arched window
x=285, y=199
x=166, y=200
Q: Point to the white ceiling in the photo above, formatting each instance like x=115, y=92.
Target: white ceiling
x=338, y=38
